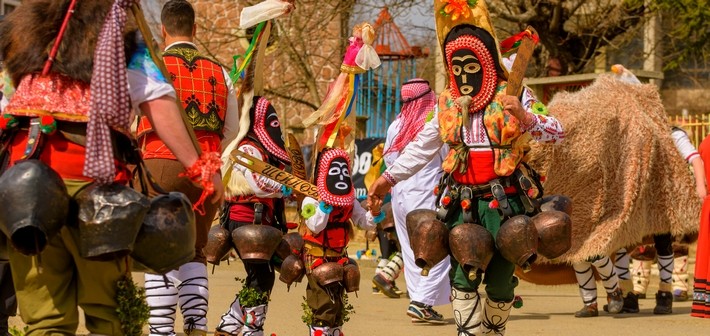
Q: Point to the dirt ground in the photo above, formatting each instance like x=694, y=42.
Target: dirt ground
x=547, y=310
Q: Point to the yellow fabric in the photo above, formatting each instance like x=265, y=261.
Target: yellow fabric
x=48, y=299
x=376, y=169
x=502, y=129
x=451, y=13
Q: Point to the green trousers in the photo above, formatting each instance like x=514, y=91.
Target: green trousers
x=498, y=277
x=51, y=287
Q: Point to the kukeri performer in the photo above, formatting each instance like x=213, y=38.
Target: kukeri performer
x=206, y=93
x=66, y=131
x=328, y=227
x=253, y=201
x=482, y=125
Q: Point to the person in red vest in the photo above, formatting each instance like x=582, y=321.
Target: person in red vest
x=206, y=93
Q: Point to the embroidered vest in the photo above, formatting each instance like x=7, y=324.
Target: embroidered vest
x=502, y=129
x=200, y=86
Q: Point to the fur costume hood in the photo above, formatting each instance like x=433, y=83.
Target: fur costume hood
x=27, y=35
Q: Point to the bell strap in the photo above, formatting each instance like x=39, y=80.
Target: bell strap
x=34, y=140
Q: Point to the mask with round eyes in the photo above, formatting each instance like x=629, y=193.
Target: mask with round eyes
x=335, y=185
x=267, y=128
x=472, y=71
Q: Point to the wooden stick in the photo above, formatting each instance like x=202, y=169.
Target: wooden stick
x=517, y=73
x=298, y=185
x=149, y=40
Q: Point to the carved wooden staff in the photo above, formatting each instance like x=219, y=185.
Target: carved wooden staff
x=297, y=184
x=517, y=73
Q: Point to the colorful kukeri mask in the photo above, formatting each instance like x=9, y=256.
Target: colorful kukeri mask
x=267, y=128
x=472, y=70
x=335, y=185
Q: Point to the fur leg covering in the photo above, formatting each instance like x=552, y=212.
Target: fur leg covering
x=495, y=317
x=467, y=312
x=642, y=274
x=232, y=321
x=162, y=298
x=254, y=318
x=193, y=296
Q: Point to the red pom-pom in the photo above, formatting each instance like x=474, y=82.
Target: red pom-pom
x=446, y=200
x=493, y=204
x=291, y=225
x=8, y=121
x=531, y=193
x=543, y=178
x=436, y=190
x=466, y=204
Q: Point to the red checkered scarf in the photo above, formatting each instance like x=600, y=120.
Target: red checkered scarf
x=110, y=102
x=418, y=100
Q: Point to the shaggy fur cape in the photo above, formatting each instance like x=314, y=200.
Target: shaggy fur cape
x=620, y=166
x=28, y=33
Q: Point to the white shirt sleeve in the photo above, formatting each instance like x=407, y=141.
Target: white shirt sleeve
x=260, y=184
x=231, y=119
x=145, y=81
x=685, y=147
x=363, y=218
x=319, y=220
x=418, y=153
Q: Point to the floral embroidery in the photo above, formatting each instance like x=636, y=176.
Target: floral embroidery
x=457, y=8
x=540, y=109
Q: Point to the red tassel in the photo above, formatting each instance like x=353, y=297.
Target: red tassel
x=201, y=172
x=531, y=193
x=446, y=200
x=493, y=204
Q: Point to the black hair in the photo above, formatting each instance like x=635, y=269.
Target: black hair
x=484, y=36
x=178, y=17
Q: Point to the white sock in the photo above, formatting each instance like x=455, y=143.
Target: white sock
x=605, y=268
x=621, y=265
x=586, y=282
x=665, y=268
x=193, y=295
x=162, y=298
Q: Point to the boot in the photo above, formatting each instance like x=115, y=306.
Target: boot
x=495, y=317
x=631, y=303
x=664, y=303
x=467, y=312
x=589, y=310
x=232, y=321
x=385, y=286
x=615, y=301
x=254, y=318
x=319, y=331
